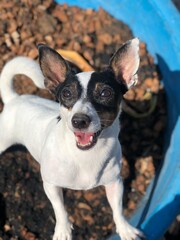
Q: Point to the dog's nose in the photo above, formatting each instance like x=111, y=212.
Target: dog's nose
x=80, y=121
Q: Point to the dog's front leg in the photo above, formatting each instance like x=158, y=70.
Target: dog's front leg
x=114, y=192
x=63, y=226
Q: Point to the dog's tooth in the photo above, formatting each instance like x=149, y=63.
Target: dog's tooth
x=91, y=139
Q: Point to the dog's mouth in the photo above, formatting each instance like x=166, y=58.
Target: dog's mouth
x=86, y=140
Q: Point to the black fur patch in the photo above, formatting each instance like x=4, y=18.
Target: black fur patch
x=58, y=119
x=69, y=91
x=105, y=93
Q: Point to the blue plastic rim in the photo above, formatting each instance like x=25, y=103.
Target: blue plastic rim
x=157, y=23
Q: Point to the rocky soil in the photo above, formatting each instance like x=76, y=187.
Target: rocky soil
x=25, y=212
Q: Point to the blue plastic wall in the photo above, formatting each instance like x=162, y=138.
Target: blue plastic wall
x=156, y=22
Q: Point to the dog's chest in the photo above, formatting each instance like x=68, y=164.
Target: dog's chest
x=66, y=173
x=77, y=172
x=64, y=165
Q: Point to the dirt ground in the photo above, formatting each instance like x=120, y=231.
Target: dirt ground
x=25, y=212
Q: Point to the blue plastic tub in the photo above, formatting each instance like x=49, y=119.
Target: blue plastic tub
x=156, y=22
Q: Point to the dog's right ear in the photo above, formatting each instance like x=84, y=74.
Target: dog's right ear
x=53, y=66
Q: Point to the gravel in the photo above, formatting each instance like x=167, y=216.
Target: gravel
x=26, y=212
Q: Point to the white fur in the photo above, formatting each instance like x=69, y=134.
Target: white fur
x=21, y=65
x=82, y=106
x=32, y=121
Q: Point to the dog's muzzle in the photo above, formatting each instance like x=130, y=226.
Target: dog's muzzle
x=84, y=140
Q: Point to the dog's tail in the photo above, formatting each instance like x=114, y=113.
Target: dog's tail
x=19, y=65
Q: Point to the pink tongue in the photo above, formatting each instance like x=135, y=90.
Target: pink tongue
x=83, y=138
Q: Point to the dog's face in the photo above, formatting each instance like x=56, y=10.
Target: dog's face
x=90, y=101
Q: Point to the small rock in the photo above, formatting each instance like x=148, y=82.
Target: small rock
x=7, y=228
x=131, y=205
x=105, y=38
x=84, y=206
x=47, y=24
x=33, y=53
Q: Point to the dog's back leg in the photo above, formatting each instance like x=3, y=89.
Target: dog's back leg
x=5, y=144
x=6, y=140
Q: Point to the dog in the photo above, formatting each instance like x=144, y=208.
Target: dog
x=75, y=141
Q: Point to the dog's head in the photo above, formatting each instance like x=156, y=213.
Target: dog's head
x=90, y=101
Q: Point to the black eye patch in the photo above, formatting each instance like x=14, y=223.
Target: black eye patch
x=69, y=91
x=105, y=94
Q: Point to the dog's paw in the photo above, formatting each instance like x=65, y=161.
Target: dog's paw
x=127, y=232
x=63, y=233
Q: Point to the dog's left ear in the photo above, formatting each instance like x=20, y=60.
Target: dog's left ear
x=53, y=66
x=125, y=62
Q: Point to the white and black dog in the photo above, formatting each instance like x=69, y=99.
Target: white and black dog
x=75, y=141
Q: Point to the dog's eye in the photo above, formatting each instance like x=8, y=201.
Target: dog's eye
x=66, y=93
x=106, y=93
